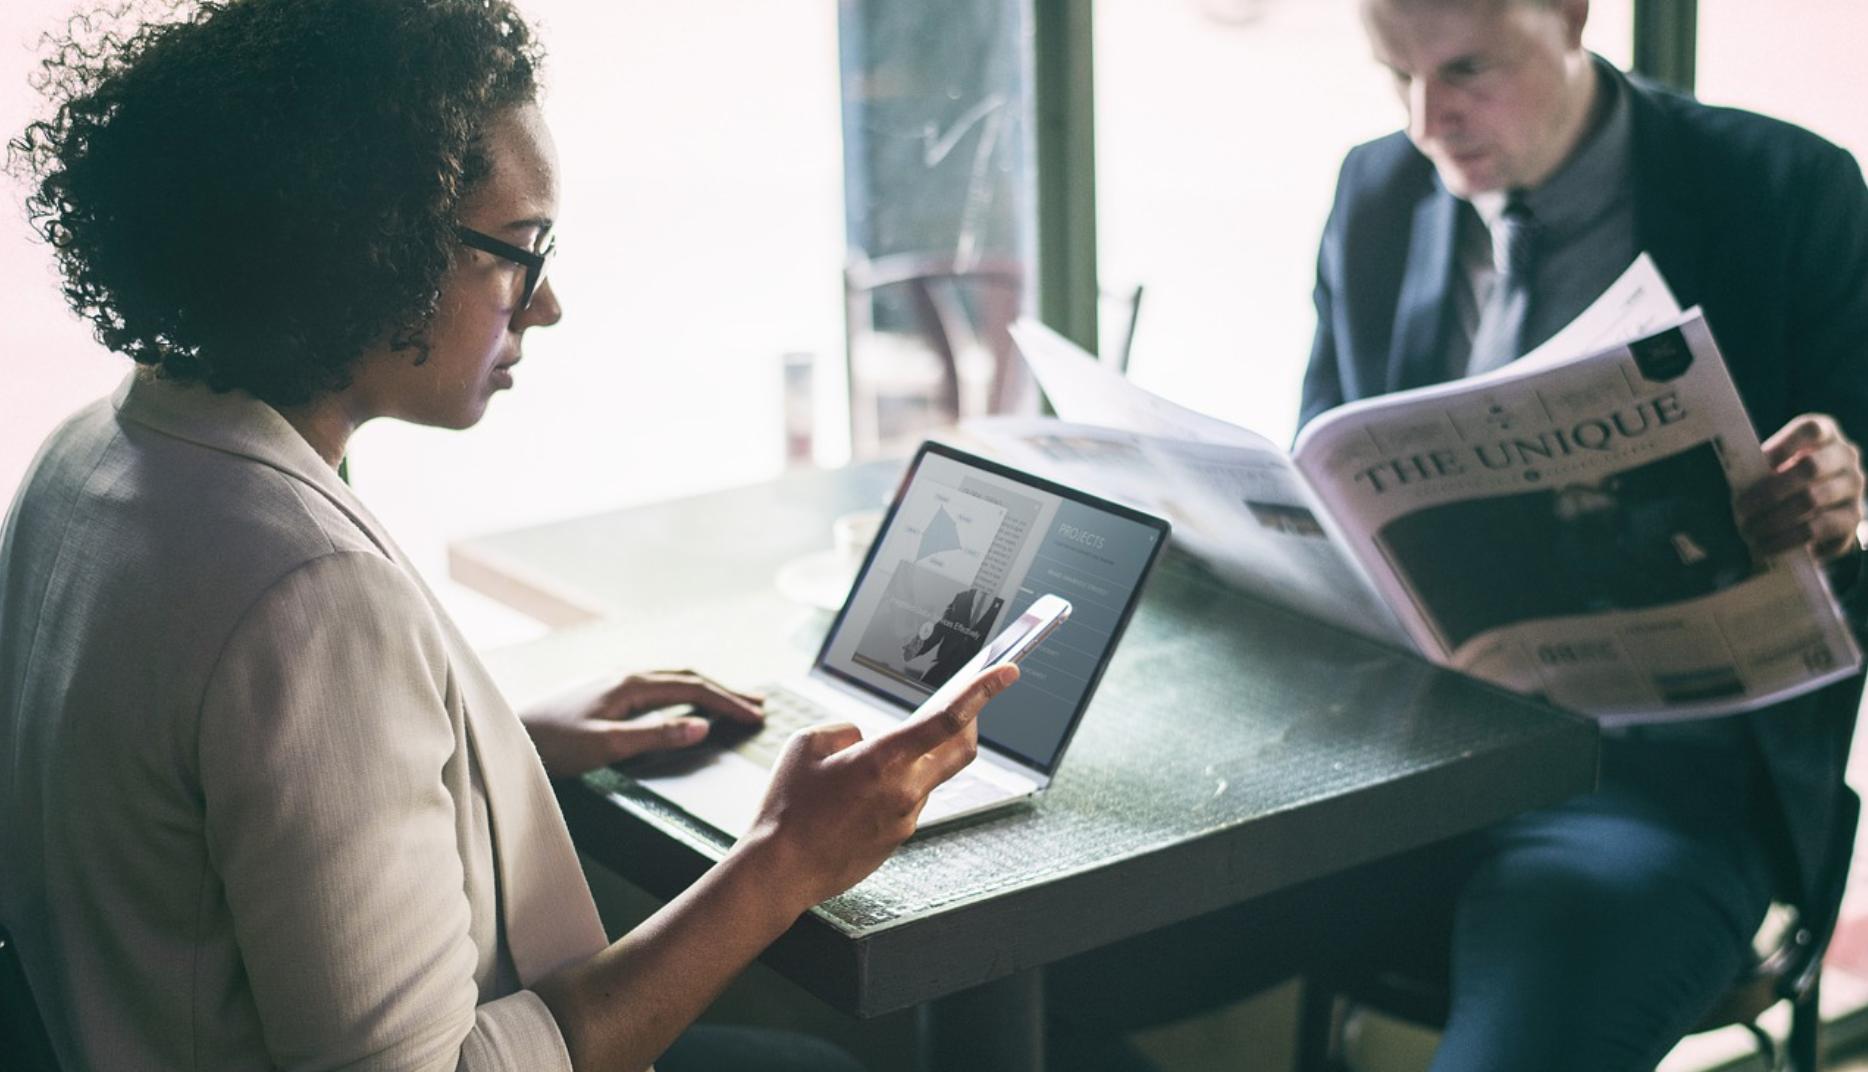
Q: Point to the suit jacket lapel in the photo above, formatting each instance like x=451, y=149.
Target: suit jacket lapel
x=544, y=901
x=1415, y=354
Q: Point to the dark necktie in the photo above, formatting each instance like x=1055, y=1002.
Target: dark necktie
x=1499, y=338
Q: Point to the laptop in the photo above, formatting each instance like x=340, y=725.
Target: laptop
x=966, y=547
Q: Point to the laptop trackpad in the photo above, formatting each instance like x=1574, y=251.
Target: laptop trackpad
x=721, y=788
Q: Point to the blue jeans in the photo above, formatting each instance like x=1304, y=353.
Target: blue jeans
x=1586, y=936
x=1594, y=934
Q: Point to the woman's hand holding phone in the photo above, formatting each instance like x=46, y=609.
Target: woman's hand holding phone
x=838, y=804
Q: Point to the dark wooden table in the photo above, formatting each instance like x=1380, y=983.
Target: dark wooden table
x=1233, y=750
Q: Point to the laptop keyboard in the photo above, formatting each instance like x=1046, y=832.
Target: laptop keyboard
x=786, y=713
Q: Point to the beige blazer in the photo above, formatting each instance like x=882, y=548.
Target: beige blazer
x=260, y=805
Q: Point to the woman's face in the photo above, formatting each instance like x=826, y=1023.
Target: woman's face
x=478, y=327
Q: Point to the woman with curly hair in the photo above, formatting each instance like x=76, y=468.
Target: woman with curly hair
x=260, y=805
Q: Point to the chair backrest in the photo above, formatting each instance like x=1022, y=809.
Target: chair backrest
x=1118, y=331
x=951, y=310
x=1788, y=959
x=1817, y=919
x=24, y=1044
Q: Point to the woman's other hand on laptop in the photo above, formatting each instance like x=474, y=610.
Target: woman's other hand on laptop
x=607, y=720
x=838, y=804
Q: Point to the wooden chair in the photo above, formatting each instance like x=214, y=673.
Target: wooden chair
x=24, y=1044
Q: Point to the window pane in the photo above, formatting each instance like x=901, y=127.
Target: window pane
x=939, y=210
x=1800, y=62
x=1220, y=125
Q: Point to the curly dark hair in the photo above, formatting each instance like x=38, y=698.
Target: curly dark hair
x=250, y=193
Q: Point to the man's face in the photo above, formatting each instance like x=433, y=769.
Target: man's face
x=1494, y=89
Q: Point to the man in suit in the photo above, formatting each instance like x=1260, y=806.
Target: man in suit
x=1594, y=934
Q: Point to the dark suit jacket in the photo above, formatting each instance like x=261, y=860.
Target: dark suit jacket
x=1763, y=224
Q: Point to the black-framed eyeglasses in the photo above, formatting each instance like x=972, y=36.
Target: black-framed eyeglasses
x=535, y=262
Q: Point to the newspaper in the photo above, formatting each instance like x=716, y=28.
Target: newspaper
x=1562, y=527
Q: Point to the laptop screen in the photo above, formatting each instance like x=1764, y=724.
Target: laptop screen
x=966, y=547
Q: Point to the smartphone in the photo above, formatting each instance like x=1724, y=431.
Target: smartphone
x=1012, y=644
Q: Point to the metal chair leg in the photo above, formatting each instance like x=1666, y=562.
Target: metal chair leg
x=1316, y=1029
x=1767, y=1048
x=1803, y=1052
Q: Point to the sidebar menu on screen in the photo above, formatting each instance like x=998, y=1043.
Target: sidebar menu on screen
x=1093, y=559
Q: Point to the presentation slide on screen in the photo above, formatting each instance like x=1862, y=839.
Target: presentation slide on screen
x=966, y=553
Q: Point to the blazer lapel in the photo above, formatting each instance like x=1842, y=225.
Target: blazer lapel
x=550, y=917
x=544, y=901
x=236, y=423
x=1415, y=353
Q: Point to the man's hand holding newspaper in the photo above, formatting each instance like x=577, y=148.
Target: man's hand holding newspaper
x=1813, y=495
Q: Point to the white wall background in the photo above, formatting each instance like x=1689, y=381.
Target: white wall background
x=1799, y=60
x=48, y=364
